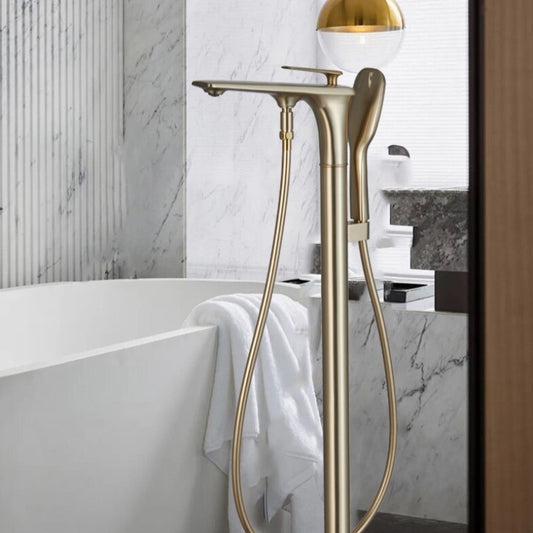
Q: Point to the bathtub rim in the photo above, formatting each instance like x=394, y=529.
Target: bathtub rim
x=295, y=291
x=104, y=350
x=287, y=286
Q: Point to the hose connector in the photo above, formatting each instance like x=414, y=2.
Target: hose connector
x=286, y=124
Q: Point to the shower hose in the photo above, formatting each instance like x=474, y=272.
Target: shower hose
x=286, y=135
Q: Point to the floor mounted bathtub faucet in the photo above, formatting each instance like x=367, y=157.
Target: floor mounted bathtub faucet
x=347, y=119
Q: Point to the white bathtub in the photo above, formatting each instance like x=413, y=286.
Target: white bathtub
x=103, y=404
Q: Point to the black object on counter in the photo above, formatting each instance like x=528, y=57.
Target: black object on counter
x=405, y=292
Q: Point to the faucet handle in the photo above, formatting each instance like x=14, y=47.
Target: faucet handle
x=331, y=75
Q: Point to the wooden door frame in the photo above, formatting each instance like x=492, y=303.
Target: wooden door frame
x=501, y=305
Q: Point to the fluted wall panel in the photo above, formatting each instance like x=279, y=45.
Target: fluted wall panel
x=62, y=191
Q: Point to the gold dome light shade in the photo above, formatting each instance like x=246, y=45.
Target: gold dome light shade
x=360, y=33
x=360, y=16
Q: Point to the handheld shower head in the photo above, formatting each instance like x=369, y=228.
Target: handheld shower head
x=363, y=120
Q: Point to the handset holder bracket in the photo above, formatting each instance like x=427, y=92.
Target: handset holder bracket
x=358, y=231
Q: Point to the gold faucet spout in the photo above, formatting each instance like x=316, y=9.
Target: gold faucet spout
x=329, y=104
x=215, y=88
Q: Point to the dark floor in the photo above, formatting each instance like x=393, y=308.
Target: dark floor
x=388, y=523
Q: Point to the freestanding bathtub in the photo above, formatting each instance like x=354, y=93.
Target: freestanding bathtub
x=103, y=406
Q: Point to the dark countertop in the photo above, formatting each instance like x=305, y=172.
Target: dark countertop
x=439, y=218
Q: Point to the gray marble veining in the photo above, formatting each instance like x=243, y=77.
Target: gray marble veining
x=152, y=241
x=430, y=362
x=233, y=159
x=440, y=222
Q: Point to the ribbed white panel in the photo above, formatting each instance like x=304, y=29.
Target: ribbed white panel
x=426, y=105
x=61, y=129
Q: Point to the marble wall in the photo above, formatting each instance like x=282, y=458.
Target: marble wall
x=430, y=362
x=233, y=148
x=151, y=243
x=92, y=158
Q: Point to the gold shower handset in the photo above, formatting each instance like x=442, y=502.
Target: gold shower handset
x=363, y=120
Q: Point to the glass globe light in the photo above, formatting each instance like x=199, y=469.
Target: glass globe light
x=360, y=33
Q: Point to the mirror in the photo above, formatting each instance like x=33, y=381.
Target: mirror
x=418, y=179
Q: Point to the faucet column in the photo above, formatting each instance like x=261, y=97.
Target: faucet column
x=331, y=117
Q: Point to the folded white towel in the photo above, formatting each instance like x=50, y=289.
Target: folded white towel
x=282, y=437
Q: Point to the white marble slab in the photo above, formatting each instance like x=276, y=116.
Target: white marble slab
x=430, y=363
x=152, y=242
x=233, y=149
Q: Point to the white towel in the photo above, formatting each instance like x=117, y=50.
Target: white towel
x=282, y=437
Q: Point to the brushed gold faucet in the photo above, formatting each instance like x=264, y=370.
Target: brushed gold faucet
x=345, y=116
